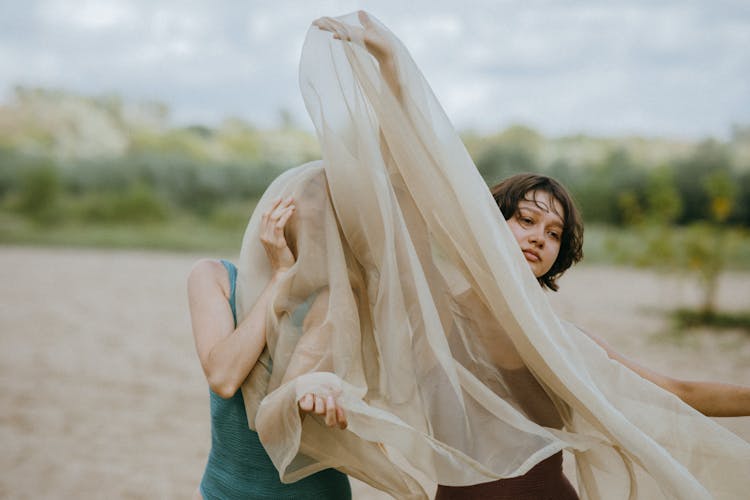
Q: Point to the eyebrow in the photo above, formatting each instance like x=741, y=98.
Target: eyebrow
x=540, y=206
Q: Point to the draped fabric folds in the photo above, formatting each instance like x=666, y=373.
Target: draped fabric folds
x=411, y=302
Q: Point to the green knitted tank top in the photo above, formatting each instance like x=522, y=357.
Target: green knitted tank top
x=239, y=468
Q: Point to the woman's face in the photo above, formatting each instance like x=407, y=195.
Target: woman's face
x=538, y=226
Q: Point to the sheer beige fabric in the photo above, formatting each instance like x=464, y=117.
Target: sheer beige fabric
x=411, y=302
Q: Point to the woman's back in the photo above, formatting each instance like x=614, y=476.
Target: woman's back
x=238, y=465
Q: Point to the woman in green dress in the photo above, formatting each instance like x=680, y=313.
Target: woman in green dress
x=238, y=467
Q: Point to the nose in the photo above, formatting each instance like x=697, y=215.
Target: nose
x=537, y=238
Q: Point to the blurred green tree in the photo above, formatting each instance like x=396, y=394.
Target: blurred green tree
x=138, y=204
x=709, y=157
x=708, y=243
x=609, y=188
x=503, y=160
x=653, y=216
x=40, y=194
x=701, y=249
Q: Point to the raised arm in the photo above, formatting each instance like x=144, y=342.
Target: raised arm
x=376, y=43
x=228, y=353
x=713, y=399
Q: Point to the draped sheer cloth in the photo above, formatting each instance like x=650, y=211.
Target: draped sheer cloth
x=410, y=301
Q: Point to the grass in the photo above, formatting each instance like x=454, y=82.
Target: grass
x=691, y=318
x=182, y=234
x=621, y=246
x=223, y=231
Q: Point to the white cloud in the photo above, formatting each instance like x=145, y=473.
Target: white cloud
x=87, y=14
x=670, y=68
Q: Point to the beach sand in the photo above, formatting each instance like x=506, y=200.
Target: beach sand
x=102, y=395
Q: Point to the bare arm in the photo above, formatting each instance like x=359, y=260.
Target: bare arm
x=714, y=399
x=227, y=354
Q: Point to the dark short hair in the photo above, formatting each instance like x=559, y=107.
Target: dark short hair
x=509, y=193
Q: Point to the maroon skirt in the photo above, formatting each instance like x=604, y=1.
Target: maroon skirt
x=544, y=481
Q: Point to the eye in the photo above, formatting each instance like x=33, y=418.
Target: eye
x=526, y=220
x=554, y=235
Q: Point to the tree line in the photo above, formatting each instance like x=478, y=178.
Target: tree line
x=70, y=157
x=704, y=185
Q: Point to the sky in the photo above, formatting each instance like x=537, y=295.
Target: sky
x=678, y=69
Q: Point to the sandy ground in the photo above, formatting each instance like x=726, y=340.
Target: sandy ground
x=102, y=396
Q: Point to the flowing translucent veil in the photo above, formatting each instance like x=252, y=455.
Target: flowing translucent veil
x=412, y=303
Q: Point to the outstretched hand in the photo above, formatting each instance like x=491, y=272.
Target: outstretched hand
x=373, y=36
x=272, y=234
x=327, y=407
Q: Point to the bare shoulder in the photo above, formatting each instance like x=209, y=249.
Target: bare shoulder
x=208, y=276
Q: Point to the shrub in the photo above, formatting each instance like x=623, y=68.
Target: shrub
x=138, y=204
x=39, y=194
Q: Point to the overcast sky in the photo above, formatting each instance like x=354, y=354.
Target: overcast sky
x=667, y=68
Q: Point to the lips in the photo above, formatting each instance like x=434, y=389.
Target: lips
x=532, y=256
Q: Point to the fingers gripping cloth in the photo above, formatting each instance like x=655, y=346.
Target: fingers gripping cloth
x=411, y=303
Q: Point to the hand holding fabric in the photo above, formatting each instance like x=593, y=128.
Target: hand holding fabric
x=272, y=237
x=371, y=35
